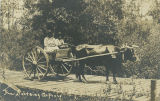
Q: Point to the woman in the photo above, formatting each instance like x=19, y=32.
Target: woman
x=51, y=44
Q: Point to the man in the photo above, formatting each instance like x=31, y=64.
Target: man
x=51, y=44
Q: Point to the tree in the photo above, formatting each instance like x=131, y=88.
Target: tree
x=76, y=20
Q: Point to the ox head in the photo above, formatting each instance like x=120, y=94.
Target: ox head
x=129, y=53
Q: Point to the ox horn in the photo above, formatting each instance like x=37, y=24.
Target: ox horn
x=135, y=46
x=129, y=47
x=123, y=46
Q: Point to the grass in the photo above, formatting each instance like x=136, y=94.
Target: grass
x=120, y=90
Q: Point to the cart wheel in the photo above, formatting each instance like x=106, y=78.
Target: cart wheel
x=35, y=63
x=62, y=69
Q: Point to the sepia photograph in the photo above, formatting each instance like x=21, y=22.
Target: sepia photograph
x=79, y=50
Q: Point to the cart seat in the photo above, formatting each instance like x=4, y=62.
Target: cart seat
x=63, y=53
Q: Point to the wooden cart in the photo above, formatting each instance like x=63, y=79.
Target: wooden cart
x=37, y=63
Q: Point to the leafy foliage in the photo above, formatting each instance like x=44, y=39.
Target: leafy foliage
x=88, y=21
x=77, y=20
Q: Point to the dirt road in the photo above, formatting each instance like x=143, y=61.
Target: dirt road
x=136, y=89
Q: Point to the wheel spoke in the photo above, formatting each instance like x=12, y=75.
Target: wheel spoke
x=30, y=73
x=34, y=73
x=29, y=60
x=62, y=70
x=52, y=67
x=40, y=58
x=42, y=67
x=37, y=73
x=33, y=55
x=69, y=64
x=28, y=64
x=30, y=56
x=40, y=71
x=65, y=68
x=43, y=62
x=38, y=55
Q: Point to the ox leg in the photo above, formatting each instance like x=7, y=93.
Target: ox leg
x=80, y=79
x=107, y=75
x=114, y=78
x=78, y=71
x=84, y=78
x=82, y=73
x=78, y=76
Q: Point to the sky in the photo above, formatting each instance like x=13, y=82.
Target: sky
x=145, y=6
x=0, y=3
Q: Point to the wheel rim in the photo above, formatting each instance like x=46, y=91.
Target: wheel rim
x=62, y=68
x=35, y=63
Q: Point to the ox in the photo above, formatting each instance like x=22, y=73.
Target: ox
x=112, y=62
